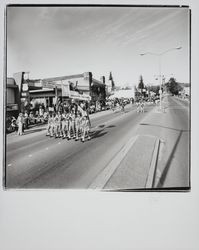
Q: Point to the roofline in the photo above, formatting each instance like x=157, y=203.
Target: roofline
x=59, y=78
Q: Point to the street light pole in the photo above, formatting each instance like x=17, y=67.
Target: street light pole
x=159, y=55
x=160, y=80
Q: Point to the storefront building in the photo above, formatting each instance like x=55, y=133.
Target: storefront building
x=50, y=91
x=12, y=98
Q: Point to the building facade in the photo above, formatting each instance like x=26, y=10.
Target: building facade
x=49, y=91
x=12, y=98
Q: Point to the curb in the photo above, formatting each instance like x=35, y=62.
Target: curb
x=152, y=170
x=109, y=170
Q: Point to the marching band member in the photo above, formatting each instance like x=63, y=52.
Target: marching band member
x=52, y=127
x=78, y=123
x=138, y=106
x=142, y=106
x=85, y=126
x=50, y=123
x=64, y=125
x=58, y=125
x=71, y=126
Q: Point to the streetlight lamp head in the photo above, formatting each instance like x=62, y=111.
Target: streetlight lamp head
x=179, y=47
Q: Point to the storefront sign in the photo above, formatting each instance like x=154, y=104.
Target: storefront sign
x=25, y=87
x=65, y=90
x=11, y=107
x=77, y=96
x=24, y=94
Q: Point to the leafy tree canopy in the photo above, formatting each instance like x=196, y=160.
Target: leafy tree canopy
x=173, y=87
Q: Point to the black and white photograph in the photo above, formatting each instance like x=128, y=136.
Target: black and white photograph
x=99, y=125
x=97, y=97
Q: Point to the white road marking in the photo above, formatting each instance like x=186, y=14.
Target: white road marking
x=9, y=164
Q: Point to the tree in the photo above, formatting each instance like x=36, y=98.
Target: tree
x=155, y=89
x=141, y=84
x=110, y=77
x=112, y=81
x=173, y=87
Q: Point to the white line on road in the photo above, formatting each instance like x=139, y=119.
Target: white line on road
x=9, y=164
x=106, y=174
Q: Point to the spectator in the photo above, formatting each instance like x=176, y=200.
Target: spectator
x=20, y=121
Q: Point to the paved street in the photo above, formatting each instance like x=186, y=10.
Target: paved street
x=37, y=161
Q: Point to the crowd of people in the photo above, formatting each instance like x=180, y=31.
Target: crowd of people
x=119, y=104
x=70, y=121
x=24, y=120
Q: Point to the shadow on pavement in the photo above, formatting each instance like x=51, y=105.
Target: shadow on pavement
x=33, y=131
x=96, y=134
x=111, y=126
x=166, y=169
x=179, y=130
x=101, y=126
x=167, y=166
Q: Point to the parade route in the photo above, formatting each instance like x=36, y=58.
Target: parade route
x=43, y=162
x=37, y=161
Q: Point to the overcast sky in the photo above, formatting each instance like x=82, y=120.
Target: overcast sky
x=57, y=41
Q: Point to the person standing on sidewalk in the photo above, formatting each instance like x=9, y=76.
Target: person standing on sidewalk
x=26, y=120
x=20, y=122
